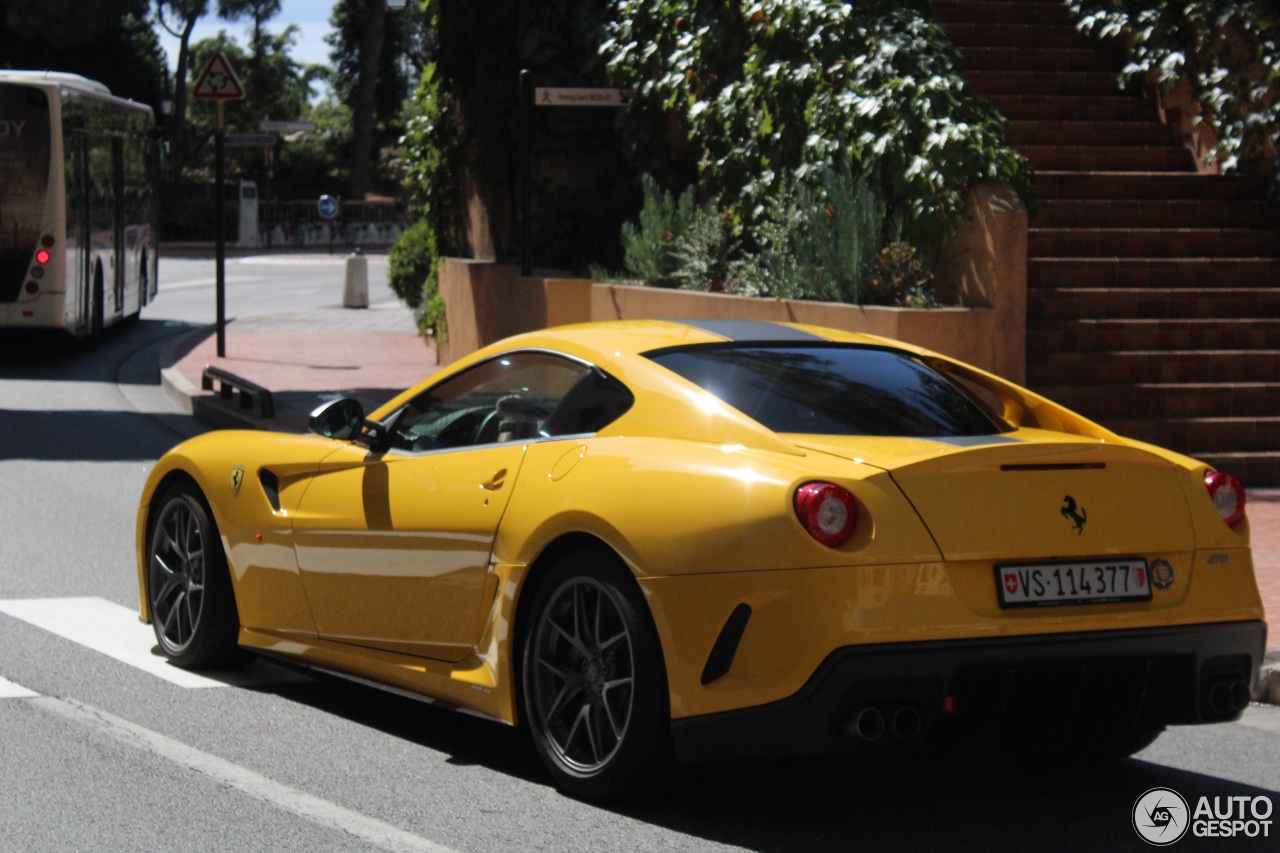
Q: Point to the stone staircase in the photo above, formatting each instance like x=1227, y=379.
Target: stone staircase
x=1153, y=291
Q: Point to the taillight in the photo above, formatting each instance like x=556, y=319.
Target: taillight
x=42, y=256
x=827, y=511
x=1227, y=494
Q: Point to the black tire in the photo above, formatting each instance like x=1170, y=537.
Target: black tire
x=594, y=683
x=193, y=608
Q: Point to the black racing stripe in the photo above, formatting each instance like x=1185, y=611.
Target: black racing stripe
x=750, y=331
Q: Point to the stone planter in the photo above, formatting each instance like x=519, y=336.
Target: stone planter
x=983, y=269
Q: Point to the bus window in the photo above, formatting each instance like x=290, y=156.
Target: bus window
x=24, y=174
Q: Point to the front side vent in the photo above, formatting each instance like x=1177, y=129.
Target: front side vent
x=270, y=487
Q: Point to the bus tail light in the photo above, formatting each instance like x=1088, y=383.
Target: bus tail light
x=33, y=287
x=42, y=256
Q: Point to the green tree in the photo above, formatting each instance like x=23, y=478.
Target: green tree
x=110, y=41
x=178, y=17
x=377, y=57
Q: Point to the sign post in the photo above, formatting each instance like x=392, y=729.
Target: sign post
x=219, y=82
x=327, y=207
x=549, y=96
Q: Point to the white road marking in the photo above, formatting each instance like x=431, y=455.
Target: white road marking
x=196, y=283
x=105, y=627
x=321, y=812
x=9, y=690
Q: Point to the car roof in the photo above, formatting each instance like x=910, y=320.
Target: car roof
x=607, y=342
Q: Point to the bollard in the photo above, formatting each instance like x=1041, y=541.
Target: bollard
x=355, y=293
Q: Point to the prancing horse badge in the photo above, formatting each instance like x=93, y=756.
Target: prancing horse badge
x=1076, y=518
x=237, y=477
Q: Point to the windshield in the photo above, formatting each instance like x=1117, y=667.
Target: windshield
x=24, y=176
x=831, y=390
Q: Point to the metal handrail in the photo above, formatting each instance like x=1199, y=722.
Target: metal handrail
x=252, y=395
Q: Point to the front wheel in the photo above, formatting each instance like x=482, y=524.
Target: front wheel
x=595, y=689
x=193, y=609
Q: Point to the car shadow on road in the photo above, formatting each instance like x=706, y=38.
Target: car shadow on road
x=920, y=803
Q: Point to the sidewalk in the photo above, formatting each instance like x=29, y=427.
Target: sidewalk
x=305, y=358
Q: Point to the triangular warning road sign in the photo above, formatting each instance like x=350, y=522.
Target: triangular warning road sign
x=218, y=80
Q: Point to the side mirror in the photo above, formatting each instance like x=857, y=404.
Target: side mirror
x=340, y=419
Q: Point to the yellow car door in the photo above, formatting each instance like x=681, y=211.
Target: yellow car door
x=394, y=549
x=394, y=534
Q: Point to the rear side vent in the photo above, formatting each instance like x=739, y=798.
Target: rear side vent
x=726, y=646
x=271, y=487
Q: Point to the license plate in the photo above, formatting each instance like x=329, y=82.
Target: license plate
x=1047, y=585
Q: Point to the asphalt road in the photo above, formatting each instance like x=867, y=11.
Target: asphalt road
x=100, y=749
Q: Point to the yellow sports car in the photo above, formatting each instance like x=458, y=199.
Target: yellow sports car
x=648, y=541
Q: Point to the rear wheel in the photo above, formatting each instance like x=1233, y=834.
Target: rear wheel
x=193, y=609
x=595, y=689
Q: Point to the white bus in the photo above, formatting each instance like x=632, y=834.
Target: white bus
x=78, y=205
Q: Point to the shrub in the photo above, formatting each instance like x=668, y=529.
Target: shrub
x=781, y=90
x=649, y=245
x=900, y=280
x=413, y=268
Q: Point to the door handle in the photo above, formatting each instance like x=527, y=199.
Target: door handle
x=496, y=481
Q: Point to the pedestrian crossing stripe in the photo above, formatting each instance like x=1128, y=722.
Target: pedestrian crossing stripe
x=116, y=632
x=9, y=690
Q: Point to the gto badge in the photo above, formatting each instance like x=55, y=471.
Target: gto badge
x=237, y=478
x=1161, y=574
x=1069, y=513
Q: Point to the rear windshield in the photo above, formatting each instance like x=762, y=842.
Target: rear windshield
x=831, y=390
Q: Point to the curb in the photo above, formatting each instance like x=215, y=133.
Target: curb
x=195, y=400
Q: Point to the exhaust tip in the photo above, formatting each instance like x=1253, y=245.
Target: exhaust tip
x=868, y=724
x=906, y=722
x=1240, y=695
x=1220, y=698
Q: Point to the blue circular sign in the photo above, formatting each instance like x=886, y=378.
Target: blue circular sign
x=327, y=206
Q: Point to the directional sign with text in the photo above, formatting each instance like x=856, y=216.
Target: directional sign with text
x=287, y=126
x=218, y=81
x=550, y=96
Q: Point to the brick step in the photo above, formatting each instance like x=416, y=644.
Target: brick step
x=998, y=12
x=1035, y=58
x=1168, y=400
x=1039, y=35
x=1168, y=158
x=1071, y=108
x=1145, y=366
x=1152, y=213
x=1133, y=303
x=1138, y=133
x=1152, y=242
x=1196, y=436
x=1044, y=82
x=1154, y=185
x=1259, y=470
x=1107, y=335
x=1155, y=273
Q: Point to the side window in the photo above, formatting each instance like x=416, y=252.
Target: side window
x=594, y=403
x=503, y=399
